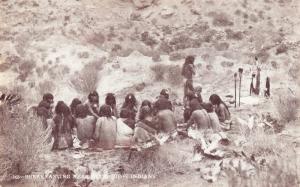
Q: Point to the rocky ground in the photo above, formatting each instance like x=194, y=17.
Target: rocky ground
x=45, y=44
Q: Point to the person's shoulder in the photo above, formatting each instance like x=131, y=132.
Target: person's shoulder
x=222, y=106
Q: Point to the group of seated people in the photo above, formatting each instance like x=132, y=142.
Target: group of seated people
x=106, y=127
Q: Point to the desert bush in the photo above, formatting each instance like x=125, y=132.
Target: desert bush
x=86, y=80
x=282, y=48
x=159, y=71
x=25, y=69
x=174, y=75
x=279, y=172
x=148, y=39
x=294, y=71
x=157, y=160
x=230, y=34
x=58, y=72
x=23, y=140
x=221, y=20
x=96, y=39
x=287, y=107
x=168, y=73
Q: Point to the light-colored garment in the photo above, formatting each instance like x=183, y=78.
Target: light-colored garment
x=166, y=121
x=106, y=132
x=200, y=118
x=124, y=133
x=85, y=128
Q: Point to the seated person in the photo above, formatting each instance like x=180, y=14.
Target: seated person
x=124, y=131
x=75, y=102
x=163, y=102
x=92, y=104
x=110, y=100
x=105, y=134
x=62, y=128
x=44, y=109
x=199, y=117
x=193, y=103
x=221, y=108
x=125, y=117
x=215, y=124
x=144, y=129
x=130, y=104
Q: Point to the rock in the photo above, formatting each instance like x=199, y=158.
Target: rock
x=156, y=58
x=227, y=64
x=140, y=4
x=135, y=16
x=196, y=11
x=167, y=12
x=174, y=56
x=140, y=86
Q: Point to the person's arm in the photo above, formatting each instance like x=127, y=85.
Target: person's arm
x=92, y=111
x=191, y=121
x=222, y=113
x=147, y=128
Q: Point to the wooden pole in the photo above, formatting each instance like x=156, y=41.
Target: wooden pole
x=235, y=76
x=240, y=75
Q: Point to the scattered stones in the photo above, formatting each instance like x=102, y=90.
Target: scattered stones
x=83, y=54
x=167, y=12
x=140, y=4
x=227, y=64
x=135, y=16
x=140, y=87
x=196, y=11
x=282, y=48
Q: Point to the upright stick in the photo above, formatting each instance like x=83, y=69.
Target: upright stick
x=240, y=75
x=235, y=75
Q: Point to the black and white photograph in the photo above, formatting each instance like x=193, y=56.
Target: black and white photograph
x=149, y=93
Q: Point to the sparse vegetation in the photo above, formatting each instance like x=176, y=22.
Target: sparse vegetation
x=287, y=107
x=46, y=86
x=168, y=73
x=86, y=80
x=20, y=155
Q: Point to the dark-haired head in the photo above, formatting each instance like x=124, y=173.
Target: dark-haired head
x=75, y=102
x=189, y=59
x=209, y=107
x=62, y=109
x=146, y=103
x=110, y=99
x=216, y=100
x=130, y=101
x=93, y=97
x=164, y=93
x=48, y=97
x=105, y=111
x=145, y=112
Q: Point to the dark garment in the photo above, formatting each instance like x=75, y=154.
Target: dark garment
x=81, y=111
x=188, y=71
x=62, y=131
x=187, y=114
x=162, y=104
x=131, y=110
x=189, y=88
x=195, y=104
x=130, y=123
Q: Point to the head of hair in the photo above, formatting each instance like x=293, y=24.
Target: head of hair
x=189, y=59
x=75, y=102
x=62, y=108
x=216, y=100
x=145, y=111
x=93, y=97
x=146, y=103
x=209, y=107
x=48, y=97
x=105, y=111
x=165, y=93
x=110, y=99
x=130, y=101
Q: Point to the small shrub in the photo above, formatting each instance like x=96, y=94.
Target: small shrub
x=85, y=81
x=221, y=20
x=159, y=72
x=174, y=75
x=148, y=39
x=282, y=48
x=25, y=69
x=230, y=34
x=24, y=139
x=96, y=39
x=287, y=107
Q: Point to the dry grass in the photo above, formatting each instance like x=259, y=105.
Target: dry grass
x=168, y=73
x=158, y=160
x=23, y=139
x=287, y=107
x=278, y=173
x=86, y=80
x=46, y=87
